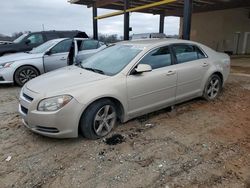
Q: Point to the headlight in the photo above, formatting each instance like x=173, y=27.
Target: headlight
x=6, y=65
x=54, y=103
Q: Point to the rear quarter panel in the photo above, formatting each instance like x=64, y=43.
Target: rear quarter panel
x=219, y=62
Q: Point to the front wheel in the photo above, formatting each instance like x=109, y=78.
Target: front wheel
x=99, y=119
x=24, y=74
x=213, y=88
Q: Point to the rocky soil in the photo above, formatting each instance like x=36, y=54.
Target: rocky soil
x=199, y=144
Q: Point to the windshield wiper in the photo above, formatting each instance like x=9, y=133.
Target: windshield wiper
x=93, y=70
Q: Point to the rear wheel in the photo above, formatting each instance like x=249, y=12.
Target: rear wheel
x=99, y=119
x=213, y=88
x=24, y=74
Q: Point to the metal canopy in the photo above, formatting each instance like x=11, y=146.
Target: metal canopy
x=170, y=9
x=181, y=8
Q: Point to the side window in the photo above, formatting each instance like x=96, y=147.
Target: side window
x=36, y=39
x=62, y=47
x=158, y=58
x=51, y=36
x=185, y=53
x=201, y=55
x=89, y=45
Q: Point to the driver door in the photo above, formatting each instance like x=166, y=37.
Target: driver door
x=57, y=57
x=150, y=91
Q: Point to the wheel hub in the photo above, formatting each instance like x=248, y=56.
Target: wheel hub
x=213, y=88
x=26, y=75
x=104, y=120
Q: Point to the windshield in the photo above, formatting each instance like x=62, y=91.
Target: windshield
x=19, y=39
x=44, y=47
x=111, y=60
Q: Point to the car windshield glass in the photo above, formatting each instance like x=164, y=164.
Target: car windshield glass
x=19, y=39
x=44, y=47
x=111, y=60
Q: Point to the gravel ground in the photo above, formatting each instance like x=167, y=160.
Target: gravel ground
x=199, y=144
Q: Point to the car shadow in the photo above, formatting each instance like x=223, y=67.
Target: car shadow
x=3, y=86
x=171, y=109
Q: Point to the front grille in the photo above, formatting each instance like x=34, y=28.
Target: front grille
x=47, y=129
x=27, y=97
x=1, y=78
x=24, y=110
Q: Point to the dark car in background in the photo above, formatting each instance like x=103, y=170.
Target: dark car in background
x=28, y=41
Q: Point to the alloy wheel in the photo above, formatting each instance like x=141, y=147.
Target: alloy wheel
x=104, y=120
x=26, y=75
x=213, y=88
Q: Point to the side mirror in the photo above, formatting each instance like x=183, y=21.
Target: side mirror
x=143, y=68
x=27, y=41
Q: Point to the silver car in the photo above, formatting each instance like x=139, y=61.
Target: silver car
x=21, y=67
x=121, y=82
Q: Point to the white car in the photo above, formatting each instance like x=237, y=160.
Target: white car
x=121, y=82
x=21, y=67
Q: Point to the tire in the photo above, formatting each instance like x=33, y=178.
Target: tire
x=99, y=119
x=212, y=88
x=24, y=74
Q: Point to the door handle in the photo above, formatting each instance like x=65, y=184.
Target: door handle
x=205, y=64
x=170, y=73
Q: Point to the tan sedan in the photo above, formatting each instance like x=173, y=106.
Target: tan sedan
x=124, y=81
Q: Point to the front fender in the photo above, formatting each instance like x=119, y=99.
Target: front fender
x=37, y=63
x=111, y=88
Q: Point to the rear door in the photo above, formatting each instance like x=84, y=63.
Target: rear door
x=153, y=90
x=58, y=56
x=191, y=65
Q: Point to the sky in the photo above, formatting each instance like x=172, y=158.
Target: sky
x=30, y=15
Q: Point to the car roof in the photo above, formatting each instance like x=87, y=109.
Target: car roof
x=59, y=39
x=155, y=42
x=83, y=38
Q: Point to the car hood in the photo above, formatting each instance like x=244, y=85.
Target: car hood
x=18, y=57
x=63, y=80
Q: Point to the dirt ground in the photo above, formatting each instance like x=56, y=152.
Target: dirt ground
x=201, y=144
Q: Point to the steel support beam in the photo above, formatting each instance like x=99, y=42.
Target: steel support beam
x=136, y=9
x=95, y=23
x=161, y=25
x=126, y=20
x=187, y=18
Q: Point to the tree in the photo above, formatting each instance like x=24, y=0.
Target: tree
x=108, y=38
